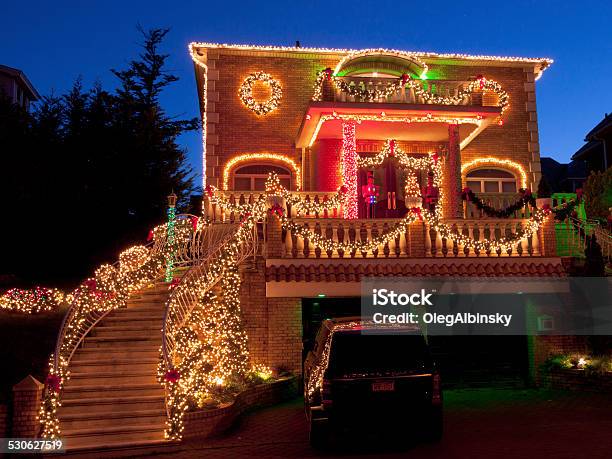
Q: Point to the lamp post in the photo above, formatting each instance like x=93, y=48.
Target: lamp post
x=171, y=212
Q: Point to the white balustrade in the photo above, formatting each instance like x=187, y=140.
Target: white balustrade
x=406, y=95
x=339, y=230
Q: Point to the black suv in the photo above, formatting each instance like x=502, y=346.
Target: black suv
x=362, y=375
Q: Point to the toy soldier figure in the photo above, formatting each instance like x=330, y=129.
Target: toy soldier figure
x=431, y=194
x=369, y=193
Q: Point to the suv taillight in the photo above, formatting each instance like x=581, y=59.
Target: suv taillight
x=326, y=393
x=436, y=396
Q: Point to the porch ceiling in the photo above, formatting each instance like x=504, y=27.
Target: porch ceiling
x=314, y=126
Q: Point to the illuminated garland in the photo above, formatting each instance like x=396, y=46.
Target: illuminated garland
x=383, y=117
x=301, y=206
x=33, y=301
x=108, y=290
x=369, y=95
x=526, y=198
x=210, y=352
x=392, y=150
x=246, y=93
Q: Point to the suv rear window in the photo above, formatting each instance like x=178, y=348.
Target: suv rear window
x=354, y=353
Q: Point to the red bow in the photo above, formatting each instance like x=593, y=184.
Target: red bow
x=276, y=209
x=209, y=190
x=405, y=78
x=174, y=283
x=328, y=73
x=417, y=211
x=53, y=382
x=150, y=236
x=172, y=376
x=194, y=223
x=91, y=284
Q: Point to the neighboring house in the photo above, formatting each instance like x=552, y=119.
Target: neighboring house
x=312, y=116
x=15, y=84
x=564, y=178
x=597, y=151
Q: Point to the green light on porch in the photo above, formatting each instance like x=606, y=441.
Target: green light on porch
x=424, y=75
x=321, y=295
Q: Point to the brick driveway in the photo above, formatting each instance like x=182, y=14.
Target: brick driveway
x=482, y=423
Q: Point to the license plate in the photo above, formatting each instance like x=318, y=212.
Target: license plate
x=383, y=386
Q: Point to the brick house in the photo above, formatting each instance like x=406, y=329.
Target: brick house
x=296, y=111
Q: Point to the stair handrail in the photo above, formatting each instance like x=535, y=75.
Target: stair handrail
x=185, y=251
x=183, y=300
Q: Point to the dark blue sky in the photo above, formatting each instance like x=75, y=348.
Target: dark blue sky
x=54, y=42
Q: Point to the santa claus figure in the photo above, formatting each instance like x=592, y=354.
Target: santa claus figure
x=370, y=192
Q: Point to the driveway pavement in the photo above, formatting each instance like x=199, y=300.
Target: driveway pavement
x=482, y=423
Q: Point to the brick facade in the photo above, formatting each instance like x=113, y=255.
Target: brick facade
x=274, y=324
x=234, y=129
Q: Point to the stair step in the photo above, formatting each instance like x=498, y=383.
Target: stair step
x=106, y=364
x=87, y=420
x=97, y=391
x=126, y=327
x=135, y=321
x=91, y=353
x=115, y=377
x=118, y=448
x=124, y=341
x=120, y=331
x=131, y=314
x=128, y=436
x=111, y=405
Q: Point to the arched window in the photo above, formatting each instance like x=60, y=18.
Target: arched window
x=491, y=181
x=253, y=177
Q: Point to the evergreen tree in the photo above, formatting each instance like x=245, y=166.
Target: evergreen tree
x=86, y=174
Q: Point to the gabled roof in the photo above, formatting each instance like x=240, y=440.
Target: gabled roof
x=20, y=76
x=600, y=127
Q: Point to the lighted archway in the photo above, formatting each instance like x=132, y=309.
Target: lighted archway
x=272, y=157
x=410, y=63
x=495, y=162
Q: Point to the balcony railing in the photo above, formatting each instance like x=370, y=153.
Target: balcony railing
x=444, y=88
x=430, y=244
x=244, y=197
x=408, y=244
x=497, y=201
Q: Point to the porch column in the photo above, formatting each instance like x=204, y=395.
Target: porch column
x=349, y=169
x=451, y=176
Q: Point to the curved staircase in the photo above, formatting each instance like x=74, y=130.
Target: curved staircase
x=112, y=398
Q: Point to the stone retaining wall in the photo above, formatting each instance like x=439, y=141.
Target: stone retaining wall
x=578, y=380
x=207, y=423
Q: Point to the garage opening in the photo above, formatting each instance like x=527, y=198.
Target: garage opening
x=464, y=361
